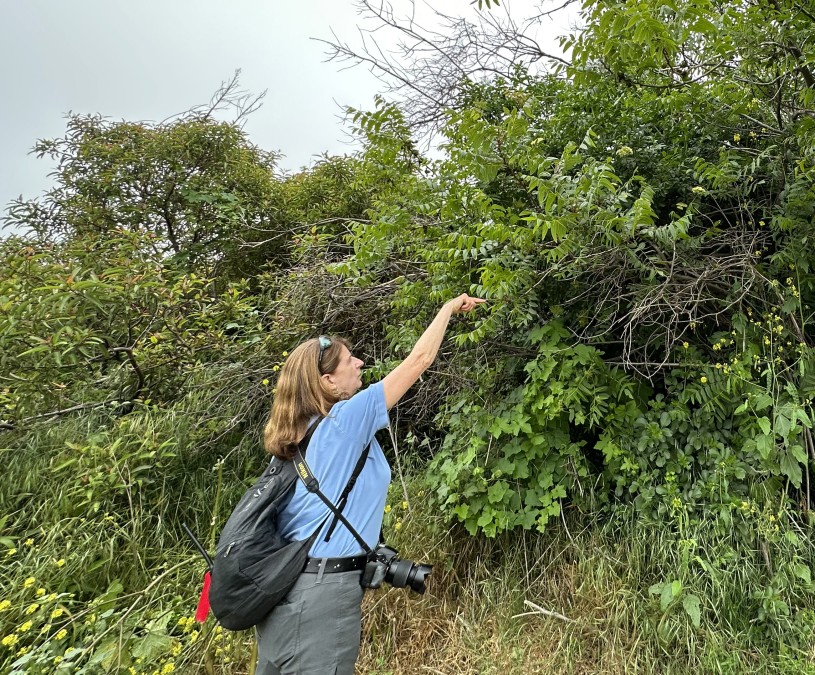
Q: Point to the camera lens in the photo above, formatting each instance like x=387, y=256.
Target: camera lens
x=403, y=573
x=417, y=579
x=398, y=572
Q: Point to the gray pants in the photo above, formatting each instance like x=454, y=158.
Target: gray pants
x=316, y=630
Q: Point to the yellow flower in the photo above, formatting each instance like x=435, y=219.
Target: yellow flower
x=40, y=592
x=736, y=137
x=60, y=562
x=24, y=628
x=703, y=379
x=398, y=525
x=387, y=508
x=265, y=382
x=11, y=552
x=752, y=134
x=761, y=223
x=23, y=651
x=57, y=660
x=4, y=605
x=718, y=366
x=28, y=583
x=29, y=542
x=10, y=640
x=275, y=368
x=58, y=612
x=404, y=505
x=698, y=189
x=285, y=354
x=168, y=668
x=685, y=345
x=61, y=634
x=32, y=608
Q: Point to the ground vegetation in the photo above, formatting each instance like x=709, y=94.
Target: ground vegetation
x=611, y=465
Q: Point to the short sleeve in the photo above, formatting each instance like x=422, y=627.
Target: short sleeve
x=364, y=413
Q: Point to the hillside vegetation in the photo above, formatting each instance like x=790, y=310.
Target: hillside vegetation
x=611, y=465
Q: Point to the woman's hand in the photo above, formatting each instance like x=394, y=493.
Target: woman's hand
x=400, y=379
x=463, y=303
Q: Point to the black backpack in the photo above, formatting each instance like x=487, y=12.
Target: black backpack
x=254, y=566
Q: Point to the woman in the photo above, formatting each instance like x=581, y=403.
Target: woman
x=316, y=629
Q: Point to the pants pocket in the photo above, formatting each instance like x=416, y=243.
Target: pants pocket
x=279, y=635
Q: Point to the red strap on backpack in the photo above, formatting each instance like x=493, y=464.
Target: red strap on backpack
x=203, y=602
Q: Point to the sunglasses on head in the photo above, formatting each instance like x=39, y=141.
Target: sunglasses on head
x=325, y=343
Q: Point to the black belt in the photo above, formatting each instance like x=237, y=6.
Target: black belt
x=335, y=564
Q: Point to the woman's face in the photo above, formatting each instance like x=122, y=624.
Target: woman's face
x=347, y=376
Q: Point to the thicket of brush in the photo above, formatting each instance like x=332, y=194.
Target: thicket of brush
x=610, y=465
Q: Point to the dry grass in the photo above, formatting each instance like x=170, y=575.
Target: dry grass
x=593, y=585
x=468, y=621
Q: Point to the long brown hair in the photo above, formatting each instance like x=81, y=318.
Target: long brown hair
x=301, y=394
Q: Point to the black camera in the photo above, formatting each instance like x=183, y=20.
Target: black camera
x=397, y=572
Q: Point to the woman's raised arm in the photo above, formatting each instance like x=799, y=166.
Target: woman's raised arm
x=401, y=378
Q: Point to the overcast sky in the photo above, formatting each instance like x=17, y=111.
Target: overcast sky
x=149, y=59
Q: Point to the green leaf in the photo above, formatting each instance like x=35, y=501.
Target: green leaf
x=691, y=604
x=462, y=511
x=496, y=492
x=105, y=654
x=803, y=572
x=764, y=423
x=762, y=402
x=669, y=594
x=791, y=468
x=798, y=452
x=765, y=445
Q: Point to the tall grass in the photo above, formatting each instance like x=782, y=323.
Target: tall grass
x=92, y=509
x=577, y=599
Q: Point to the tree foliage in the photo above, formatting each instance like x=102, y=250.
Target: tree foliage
x=640, y=223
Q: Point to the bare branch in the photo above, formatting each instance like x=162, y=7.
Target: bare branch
x=425, y=68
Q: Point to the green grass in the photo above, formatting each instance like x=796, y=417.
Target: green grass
x=93, y=507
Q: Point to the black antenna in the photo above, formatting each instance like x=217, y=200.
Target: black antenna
x=198, y=545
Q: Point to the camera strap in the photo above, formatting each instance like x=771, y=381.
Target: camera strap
x=312, y=485
x=343, y=500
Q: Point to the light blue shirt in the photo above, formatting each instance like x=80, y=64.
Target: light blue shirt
x=332, y=453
